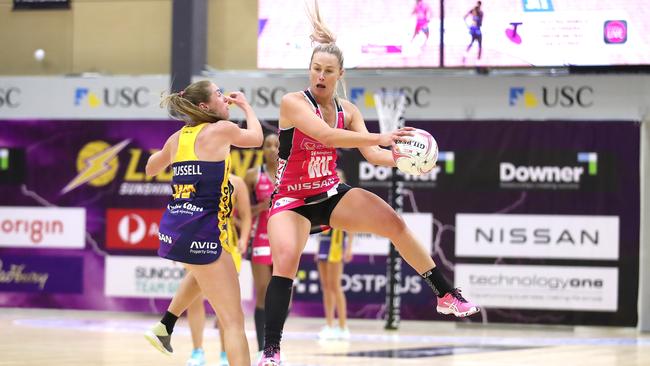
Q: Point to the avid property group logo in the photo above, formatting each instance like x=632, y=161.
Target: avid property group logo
x=561, y=96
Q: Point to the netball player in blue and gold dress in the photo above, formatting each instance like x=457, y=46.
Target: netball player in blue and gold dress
x=193, y=229
x=239, y=229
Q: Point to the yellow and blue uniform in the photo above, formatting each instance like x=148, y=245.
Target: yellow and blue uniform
x=194, y=227
x=331, y=245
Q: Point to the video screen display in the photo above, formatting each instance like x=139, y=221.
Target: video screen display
x=371, y=33
x=546, y=32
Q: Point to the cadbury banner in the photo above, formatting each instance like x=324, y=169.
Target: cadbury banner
x=538, y=222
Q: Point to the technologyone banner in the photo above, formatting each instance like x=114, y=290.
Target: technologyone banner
x=537, y=222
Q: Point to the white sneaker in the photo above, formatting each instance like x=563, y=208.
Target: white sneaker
x=343, y=333
x=328, y=333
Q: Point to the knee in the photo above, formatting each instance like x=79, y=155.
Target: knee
x=333, y=285
x=285, y=262
x=233, y=320
x=393, y=226
x=338, y=287
x=327, y=286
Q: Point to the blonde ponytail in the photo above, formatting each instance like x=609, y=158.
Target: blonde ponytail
x=326, y=40
x=320, y=33
x=184, y=105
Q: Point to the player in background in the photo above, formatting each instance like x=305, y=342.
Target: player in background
x=476, y=14
x=334, y=249
x=422, y=12
x=261, y=183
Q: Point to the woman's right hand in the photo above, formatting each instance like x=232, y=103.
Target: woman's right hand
x=238, y=99
x=387, y=139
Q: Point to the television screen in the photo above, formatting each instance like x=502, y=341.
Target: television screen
x=546, y=32
x=371, y=33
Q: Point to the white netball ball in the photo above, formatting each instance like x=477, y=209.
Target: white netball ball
x=417, y=154
x=39, y=54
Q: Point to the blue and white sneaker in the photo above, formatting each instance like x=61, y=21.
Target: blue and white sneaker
x=197, y=358
x=223, y=359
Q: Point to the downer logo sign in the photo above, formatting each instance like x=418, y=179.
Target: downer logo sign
x=361, y=173
x=512, y=175
x=573, y=171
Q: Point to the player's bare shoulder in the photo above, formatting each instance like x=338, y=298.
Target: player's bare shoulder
x=348, y=106
x=291, y=104
x=351, y=111
x=173, y=139
x=292, y=99
x=221, y=127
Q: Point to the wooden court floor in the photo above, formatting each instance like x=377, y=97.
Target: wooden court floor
x=37, y=337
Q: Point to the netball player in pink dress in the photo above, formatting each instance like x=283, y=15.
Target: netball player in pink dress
x=310, y=197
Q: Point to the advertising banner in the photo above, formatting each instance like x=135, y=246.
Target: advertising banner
x=42, y=227
x=57, y=97
x=39, y=274
x=132, y=229
x=145, y=277
x=429, y=96
x=540, y=287
x=509, y=204
x=537, y=236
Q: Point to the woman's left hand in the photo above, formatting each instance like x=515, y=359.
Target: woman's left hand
x=242, y=246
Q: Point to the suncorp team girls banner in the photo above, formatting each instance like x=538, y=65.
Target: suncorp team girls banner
x=538, y=222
